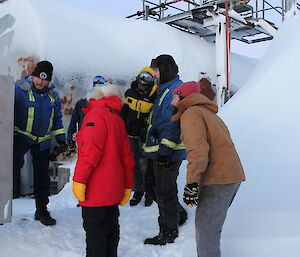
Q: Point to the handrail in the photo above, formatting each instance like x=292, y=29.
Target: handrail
x=272, y=7
x=169, y=4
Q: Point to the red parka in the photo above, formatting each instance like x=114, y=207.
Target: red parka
x=105, y=162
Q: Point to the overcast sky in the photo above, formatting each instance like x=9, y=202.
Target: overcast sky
x=123, y=8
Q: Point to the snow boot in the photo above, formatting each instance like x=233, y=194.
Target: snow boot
x=43, y=215
x=163, y=238
x=182, y=217
x=148, y=201
x=137, y=197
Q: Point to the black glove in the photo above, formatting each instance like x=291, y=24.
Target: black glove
x=62, y=146
x=163, y=160
x=71, y=144
x=58, y=149
x=190, y=195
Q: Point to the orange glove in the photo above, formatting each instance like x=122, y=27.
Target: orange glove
x=79, y=191
x=126, y=196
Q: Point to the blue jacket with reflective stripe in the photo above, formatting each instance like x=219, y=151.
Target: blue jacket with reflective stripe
x=161, y=127
x=43, y=107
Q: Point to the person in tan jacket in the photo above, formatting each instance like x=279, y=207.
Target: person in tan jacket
x=214, y=170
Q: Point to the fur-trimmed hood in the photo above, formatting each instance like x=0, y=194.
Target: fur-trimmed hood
x=106, y=90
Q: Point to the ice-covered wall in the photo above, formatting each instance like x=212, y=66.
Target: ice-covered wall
x=84, y=42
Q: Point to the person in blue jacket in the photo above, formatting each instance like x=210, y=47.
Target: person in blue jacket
x=78, y=114
x=37, y=116
x=165, y=147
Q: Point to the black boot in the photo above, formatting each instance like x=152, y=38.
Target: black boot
x=137, y=197
x=163, y=238
x=182, y=218
x=148, y=201
x=149, y=198
x=43, y=215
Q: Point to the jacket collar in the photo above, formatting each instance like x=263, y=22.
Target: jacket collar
x=163, y=87
x=194, y=100
x=110, y=102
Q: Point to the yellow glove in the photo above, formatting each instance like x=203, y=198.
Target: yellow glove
x=126, y=196
x=79, y=191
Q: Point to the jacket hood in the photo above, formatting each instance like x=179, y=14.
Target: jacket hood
x=194, y=100
x=111, y=102
x=105, y=90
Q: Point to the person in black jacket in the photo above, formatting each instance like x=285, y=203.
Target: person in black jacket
x=78, y=115
x=135, y=111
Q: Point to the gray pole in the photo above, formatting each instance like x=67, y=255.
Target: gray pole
x=289, y=4
x=256, y=11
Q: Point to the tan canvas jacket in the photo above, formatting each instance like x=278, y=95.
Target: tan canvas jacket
x=212, y=158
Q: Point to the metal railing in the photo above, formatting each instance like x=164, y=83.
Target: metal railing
x=160, y=8
x=266, y=7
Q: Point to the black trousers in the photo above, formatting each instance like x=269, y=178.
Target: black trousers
x=150, y=180
x=166, y=193
x=40, y=161
x=101, y=225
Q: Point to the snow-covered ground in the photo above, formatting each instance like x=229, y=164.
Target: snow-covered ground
x=264, y=121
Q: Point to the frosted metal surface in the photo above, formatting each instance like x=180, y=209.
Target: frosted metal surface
x=6, y=147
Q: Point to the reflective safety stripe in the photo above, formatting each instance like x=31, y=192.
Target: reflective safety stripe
x=163, y=96
x=30, y=112
x=30, y=118
x=31, y=96
x=168, y=143
x=45, y=138
x=34, y=138
x=150, y=149
x=51, y=120
x=180, y=146
x=155, y=148
x=58, y=132
x=172, y=145
x=25, y=133
x=52, y=100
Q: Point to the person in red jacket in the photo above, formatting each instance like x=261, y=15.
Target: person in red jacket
x=103, y=175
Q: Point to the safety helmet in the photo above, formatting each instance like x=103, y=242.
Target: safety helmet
x=145, y=80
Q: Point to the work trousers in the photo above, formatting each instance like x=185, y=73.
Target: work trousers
x=213, y=204
x=40, y=161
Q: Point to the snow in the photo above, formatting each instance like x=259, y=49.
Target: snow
x=263, y=120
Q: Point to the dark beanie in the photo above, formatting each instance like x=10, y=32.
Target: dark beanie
x=43, y=70
x=167, y=66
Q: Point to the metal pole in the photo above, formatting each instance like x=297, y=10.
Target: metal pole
x=144, y=10
x=227, y=44
x=263, y=9
x=160, y=13
x=289, y=5
x=256, y=11
x=283, y=9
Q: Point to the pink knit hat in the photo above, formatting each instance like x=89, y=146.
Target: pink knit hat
x=186, y=89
